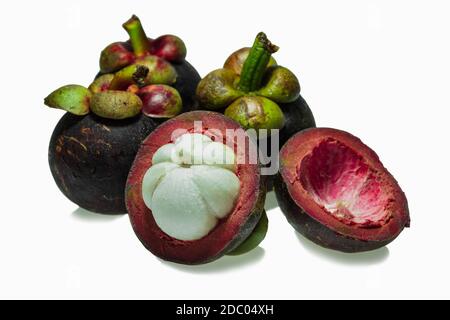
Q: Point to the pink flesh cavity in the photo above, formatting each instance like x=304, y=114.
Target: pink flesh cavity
x=344, y=185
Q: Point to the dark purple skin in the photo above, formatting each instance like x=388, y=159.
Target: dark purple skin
x=90, y=158
x=186, y=84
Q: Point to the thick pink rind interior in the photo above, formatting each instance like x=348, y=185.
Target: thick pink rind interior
x=322, y=165
x=341, y=181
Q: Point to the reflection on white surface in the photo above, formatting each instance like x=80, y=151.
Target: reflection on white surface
x=89, y=216
x=226, y=263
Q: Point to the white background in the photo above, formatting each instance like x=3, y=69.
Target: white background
x=378, y=69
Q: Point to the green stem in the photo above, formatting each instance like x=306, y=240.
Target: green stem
x=138, y=38
x=256, y=63
x=134, y=74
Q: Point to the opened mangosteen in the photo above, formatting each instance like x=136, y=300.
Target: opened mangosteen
x=142, y=83
x=334, y=190
x=195, y=192
x=255, y=91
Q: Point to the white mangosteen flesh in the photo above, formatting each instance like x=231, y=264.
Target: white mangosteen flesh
x=191, y=185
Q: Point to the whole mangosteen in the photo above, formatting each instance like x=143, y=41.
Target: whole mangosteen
x=141, y=83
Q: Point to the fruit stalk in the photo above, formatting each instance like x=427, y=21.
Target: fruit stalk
x=138, y=38
x=256, y=63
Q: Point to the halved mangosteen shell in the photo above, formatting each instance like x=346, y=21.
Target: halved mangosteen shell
x=309, y=218
x=229, y=233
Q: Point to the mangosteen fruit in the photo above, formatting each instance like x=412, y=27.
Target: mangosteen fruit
x=195, y=192
x=94, y=144
x=334, y=190
x=255, y=91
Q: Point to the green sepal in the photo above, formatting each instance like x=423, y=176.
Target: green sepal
x=280, y=85
x=255, y=112
x=159, y=72
x=235, y=62
x=102, y=83
x=116, y=104
x=72, y=98
x=217, y=89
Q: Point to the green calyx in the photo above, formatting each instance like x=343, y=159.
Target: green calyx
x=254, y=112
x=251, y=78
x=218, y=89
x=134, y=74
x=280, y=85
x=71, y=98
x=255, y=238
x=114, y=96
x=116, y=104
x=118, y=55
x=125, y=68
x=235, y=62
x=102, y=83
x=147, y=70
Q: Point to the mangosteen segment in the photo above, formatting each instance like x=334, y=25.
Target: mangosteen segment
x=192, y=193
x=335, y=191
x=190, y=186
